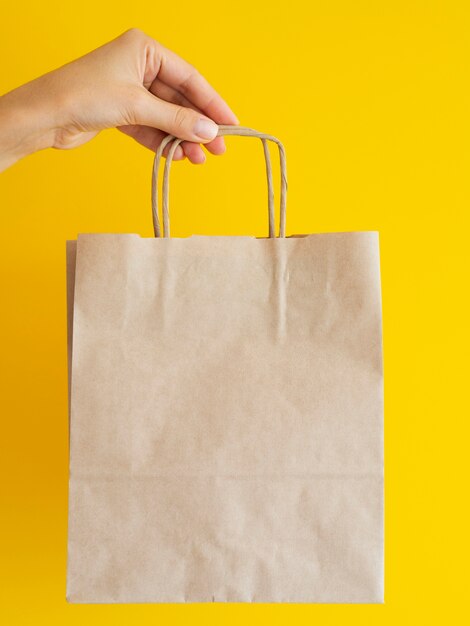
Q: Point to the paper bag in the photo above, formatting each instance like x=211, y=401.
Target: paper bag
x=226, y=415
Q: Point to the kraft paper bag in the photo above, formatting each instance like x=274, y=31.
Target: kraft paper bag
x=226, y=415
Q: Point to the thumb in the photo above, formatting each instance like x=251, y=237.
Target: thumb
x=183, y=122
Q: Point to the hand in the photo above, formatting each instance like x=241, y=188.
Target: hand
x=132, y=83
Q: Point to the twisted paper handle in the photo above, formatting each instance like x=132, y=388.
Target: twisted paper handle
x=223, y=130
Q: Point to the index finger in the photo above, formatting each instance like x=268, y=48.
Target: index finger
x=182, y=76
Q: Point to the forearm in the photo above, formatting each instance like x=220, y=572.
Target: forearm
x=26, y=123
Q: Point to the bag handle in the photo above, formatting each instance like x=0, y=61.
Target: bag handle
x=223, y=130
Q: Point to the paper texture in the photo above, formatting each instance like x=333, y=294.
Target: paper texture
x=226, y=419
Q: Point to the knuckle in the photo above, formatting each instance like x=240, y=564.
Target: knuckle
x=180, y=119
x=135, y=36
x=192, y=75
x=133, y=33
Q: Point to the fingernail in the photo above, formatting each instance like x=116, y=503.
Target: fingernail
x=205, y=129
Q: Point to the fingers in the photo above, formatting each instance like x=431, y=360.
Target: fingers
x=147, y=124
x=174, y=99
x=163, y=91
x=177, y=73
x=216, y=146
x=194, y=152
x=183, y=122
x=151, y=138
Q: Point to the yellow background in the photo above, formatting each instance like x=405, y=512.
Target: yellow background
x=372, y=102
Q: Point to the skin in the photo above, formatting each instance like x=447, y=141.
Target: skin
x=132, y=83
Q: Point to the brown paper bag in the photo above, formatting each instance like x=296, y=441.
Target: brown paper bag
x=226, y=416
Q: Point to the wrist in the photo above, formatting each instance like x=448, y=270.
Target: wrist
x=26, y=124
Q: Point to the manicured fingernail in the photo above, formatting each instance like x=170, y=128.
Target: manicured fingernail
x=205, y=129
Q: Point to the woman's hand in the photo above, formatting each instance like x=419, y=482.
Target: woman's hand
x=132, y=83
